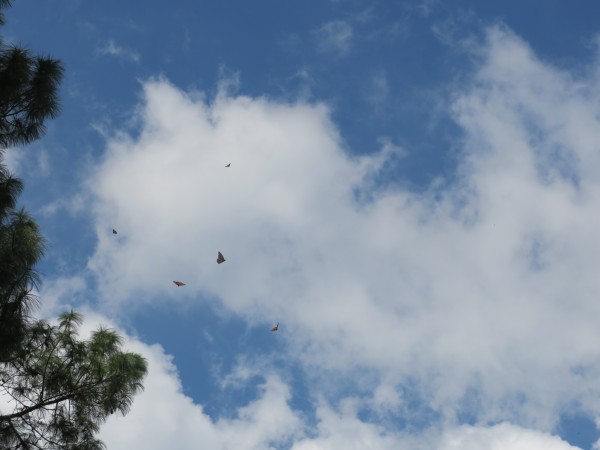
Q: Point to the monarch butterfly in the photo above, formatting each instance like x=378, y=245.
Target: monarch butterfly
x=276, y=327
x=179, y=283
x=220, y=258
x=228, y=165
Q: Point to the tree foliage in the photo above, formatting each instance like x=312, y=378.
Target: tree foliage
x=60, y=389
x=28, y=96
x=3, y=4
x=29, y=87
x=55, y=389
x=21, y=247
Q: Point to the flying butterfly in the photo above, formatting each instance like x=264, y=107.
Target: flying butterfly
x=228, y=165
x=114, y=231
x=179, y=283
x=276, y=327
x=220, y=258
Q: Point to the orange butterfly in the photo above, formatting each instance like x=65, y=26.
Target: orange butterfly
x=276, y=327
x=179, y=283
x=220, y=258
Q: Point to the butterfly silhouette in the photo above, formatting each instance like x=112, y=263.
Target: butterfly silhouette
x=228, y=165
x=220, y=258
x=179, y=283
x=276, y=327
x=114, y=231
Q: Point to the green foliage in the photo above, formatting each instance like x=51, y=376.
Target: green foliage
x=28, y=95
x=63, y=388
x=55, y=389
x=21, y=247
x=3, y=4
x=28, y=92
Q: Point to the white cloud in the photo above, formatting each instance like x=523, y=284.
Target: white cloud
x=342, y=429
x=60, y=294
x=334, y=37
x=34, y=160
x=501, y=437
x=478, y=294
x=43, y=163
x=113, y=49
x=163, y=417
x=13, y=159
x=73, y=205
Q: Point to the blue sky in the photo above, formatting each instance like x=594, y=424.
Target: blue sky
x=413, y=195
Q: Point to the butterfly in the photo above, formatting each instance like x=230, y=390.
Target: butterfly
x=114, y=231
x=220, y=258
x=179, y=283
x=228, y=165
x=276, y=327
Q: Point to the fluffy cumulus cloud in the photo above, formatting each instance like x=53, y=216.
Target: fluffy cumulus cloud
x=341, y=432
x=499, y=437
x=475, y=298
x=163, y=417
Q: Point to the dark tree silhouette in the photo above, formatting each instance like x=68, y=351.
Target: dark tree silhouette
x=21, y=247
x=56, y=390
x=61, y=389
x=29, y=87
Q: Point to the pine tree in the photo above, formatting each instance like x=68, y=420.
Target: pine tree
x=29, y=87
x=28, y=96
x=56, y=389
x=21, y=247
x=60, y=389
